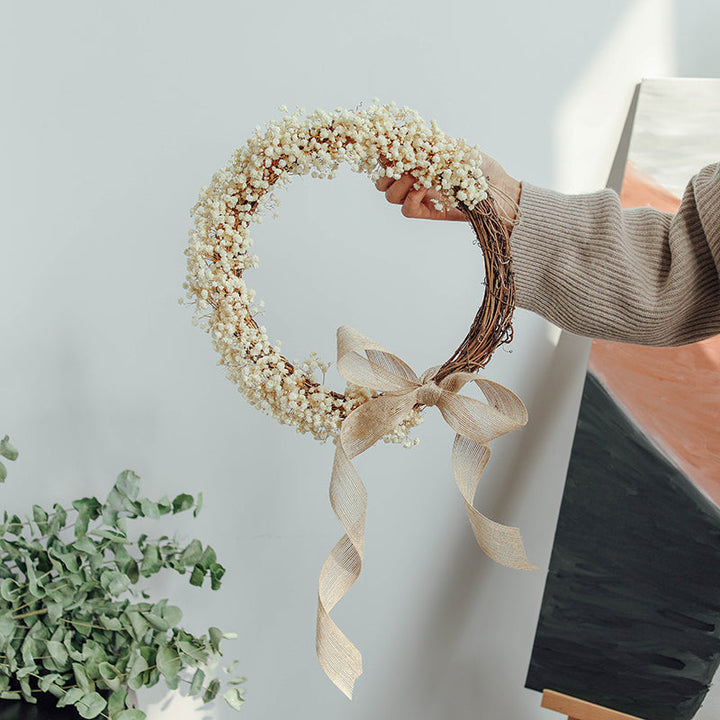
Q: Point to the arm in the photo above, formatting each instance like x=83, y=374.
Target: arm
x=584, y=263
x=637, y=275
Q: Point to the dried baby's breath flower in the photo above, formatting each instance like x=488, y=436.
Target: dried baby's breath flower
x=379, y=140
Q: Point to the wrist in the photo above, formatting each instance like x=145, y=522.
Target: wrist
x=507, y=198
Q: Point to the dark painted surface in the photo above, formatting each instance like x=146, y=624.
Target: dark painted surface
x=45, y=709
x=630, y=618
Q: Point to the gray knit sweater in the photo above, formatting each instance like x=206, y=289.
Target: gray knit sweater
x=638, y=276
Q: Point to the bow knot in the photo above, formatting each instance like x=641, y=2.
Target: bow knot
x=429, y=394
x=368, y=364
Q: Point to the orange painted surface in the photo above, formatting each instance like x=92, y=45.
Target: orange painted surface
x=640, y=190
x=672, y=393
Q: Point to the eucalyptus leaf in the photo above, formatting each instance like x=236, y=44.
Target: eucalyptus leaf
x=3, y=472
x=93, y=654
x=211, y=691
x=182, y=502
x=7, y=450
x=111, y=623
x=111, y=675
x=128, y=484
x=81, y=525
x=117, y=701
x=136, y=671
x=40, y=517
x=216, y=573
x=164, y=505
x=70, y=697
x=81, y=678
x=69, y=559
x=168, y=661
x=131, y=714
x=151, y=562
x=192, y=652
x=58, y=519
x=7, y=627
x=88, y=506
x=156, y=621
x=197, y=575
x=197, y=682
x=114, y=582
x=86, y=545
x=36, y=589
x=57, y=652
x=10, y=590
x=108, y=671
x=198, y=505
x=26, y=690
x=54, y=611
x=192, y=553
x=113, y=535
x=172, y=615
x=234, y=698
x=82, y=626
x=150, y=509
x=91, y=705
x=208, y=558
x=138, y=624
x=15, y=526
x=47, y=680
x=216, y=637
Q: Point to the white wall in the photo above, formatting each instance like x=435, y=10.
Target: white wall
x=115, y=115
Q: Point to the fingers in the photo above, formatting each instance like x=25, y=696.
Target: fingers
x=384, y=183
x=396, y=190
x=401, y=192
x=416, y=203
x=412, y=206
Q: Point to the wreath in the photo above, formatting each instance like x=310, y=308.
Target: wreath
x=384, y=397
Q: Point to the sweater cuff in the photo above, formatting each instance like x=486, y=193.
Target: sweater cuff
x=551, y=224
x=637, y=275
x=556, y=267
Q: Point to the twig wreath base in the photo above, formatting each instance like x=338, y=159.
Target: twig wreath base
x=380, y=140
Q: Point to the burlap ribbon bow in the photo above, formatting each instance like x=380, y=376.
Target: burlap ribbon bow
x=475, y=422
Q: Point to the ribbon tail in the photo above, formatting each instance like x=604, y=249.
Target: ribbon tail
x=339, y=658
x=500, y=542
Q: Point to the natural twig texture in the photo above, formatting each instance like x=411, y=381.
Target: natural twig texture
x=492, y=324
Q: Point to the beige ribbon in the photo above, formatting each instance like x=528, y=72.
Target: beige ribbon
x=475, y=422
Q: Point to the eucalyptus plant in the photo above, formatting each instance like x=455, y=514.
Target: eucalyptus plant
x=73, y=622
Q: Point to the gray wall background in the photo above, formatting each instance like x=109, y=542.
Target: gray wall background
x=114, y=116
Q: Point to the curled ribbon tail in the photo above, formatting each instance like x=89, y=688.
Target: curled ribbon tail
x=363, y=427
x=338, y=657
x=500, y=542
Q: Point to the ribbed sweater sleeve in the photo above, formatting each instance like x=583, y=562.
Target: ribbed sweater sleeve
x=637, y=275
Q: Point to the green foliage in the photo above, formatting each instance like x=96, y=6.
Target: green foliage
x=9, y=452
x=74, y=624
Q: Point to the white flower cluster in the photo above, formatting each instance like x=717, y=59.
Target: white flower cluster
x=380, y=140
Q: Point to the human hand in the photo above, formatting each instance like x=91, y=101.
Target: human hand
x=421, y=203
